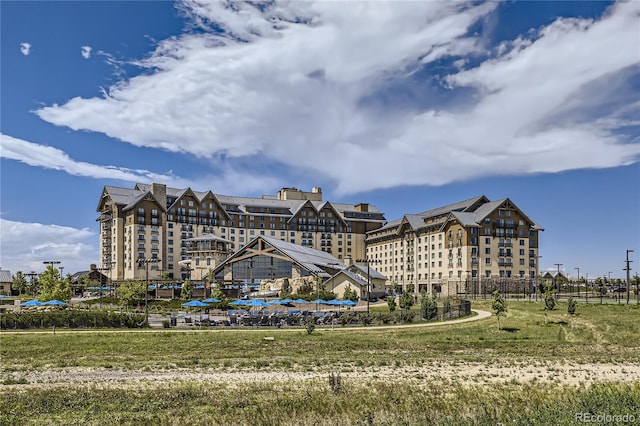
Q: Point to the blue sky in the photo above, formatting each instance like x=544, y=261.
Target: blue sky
x=408, y=106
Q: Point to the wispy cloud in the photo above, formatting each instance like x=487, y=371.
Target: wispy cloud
x=48, y=157
x=24, y=246
x=25, y=48
x=294, y=83
x=86, y=51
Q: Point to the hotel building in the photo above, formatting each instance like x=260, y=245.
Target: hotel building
x=459, y=248
x=190, y=232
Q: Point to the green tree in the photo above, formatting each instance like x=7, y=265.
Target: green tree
x=131, y=293
x=446, y=305
x=571, y=306
x=499, y=306
x=428, y=306
x=20, y=283
x=186, y=292
x=350, y=294
x=549, y=299
x=53, y=287
x=218, y=293
x=406, y=301
x=391, y=302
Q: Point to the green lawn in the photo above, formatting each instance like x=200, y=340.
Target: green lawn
x=596, y=334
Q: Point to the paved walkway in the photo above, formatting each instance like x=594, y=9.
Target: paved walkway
x=480, y=314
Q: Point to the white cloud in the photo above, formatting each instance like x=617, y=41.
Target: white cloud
x=48, y=157
x=85, y=51
x=25, y=48
x=290, y=82
x=24, y=246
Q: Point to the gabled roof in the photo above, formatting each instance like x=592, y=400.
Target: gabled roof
x=145, y=195
x=463, y=205
x=374, y=273
x=354, y=277
x=487, y=208
x=5, y=276
x=465, y=218
x=124, y=196
x=310, y=259
x=313, y=260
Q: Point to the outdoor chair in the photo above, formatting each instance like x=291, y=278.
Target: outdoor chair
x=265, y=321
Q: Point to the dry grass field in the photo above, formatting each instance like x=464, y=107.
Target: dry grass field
x=530, y=372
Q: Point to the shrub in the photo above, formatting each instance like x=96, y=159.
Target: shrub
x=571, y=306
x=310, y=324
x=406, y=316
x=71, y=319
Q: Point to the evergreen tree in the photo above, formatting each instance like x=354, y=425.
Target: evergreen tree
x=499, y=306
x=186, y=292
x=20, y=283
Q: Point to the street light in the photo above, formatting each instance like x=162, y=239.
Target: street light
x=578, y=281
x=368, y=262
x=104, y=268
x=558, y=282
x=52, y=262
x=146, y=262
x=31, y=275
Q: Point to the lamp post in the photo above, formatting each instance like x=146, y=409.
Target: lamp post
x=578, y=269
x=146, y=262
x=557, y=280
x=368, y=262
x=53, y=262
x=628, y=269
x=31, y=275
x=104, y=268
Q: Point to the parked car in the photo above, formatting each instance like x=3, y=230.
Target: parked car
x=618, y=289
x=370, y=298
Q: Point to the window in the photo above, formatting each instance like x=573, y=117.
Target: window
x=487, y=240
x=521, y=242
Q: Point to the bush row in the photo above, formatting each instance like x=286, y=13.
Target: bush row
x=71, y=319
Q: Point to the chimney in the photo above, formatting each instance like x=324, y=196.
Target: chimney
x=93, y=267
x=159, y=190
x=347, y=261
x=362, y=207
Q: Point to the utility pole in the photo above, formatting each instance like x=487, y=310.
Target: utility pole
x=557, y=280
x=368, y=262
x=146, y=262
x=628, y=269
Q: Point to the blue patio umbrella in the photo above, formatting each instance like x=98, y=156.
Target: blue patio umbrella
x=319, y=301
x=335, y=302
x=349, y=303
x=33, y=302
x=256, y=303
x=54, y=302
x=300, y=301
x=286, y=300
x=212, y=300
x=195, y=304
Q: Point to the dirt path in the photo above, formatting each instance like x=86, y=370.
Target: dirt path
x=445, y=372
